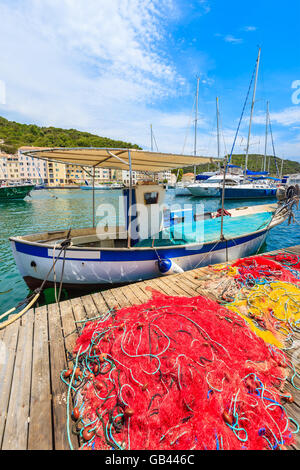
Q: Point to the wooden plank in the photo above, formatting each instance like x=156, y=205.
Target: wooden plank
x=159, y=285
x=90, y=306
x=187, y=286
x=148, y=286
x=7, y=363
x=135, y=295
x=101, y=305
x=109, y=298
x=141, y=292
x=172, y=287
x=198, y=286
x=78, y=309
x=58, y=363
x=40, y=427
x=69, y=327
x=16, y=429
x=120, y=298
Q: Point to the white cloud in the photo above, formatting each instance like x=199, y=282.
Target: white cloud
x=229, y=38
x=286, y=117
x=232, y=39
x=249, y=28
x=92, y=65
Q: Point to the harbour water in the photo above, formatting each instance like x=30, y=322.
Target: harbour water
x=48, y=210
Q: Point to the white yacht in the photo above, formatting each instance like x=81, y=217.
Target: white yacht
x=212, y=187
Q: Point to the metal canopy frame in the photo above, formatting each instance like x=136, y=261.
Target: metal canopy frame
x=112, y=153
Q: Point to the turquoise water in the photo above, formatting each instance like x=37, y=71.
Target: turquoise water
x=57, y=209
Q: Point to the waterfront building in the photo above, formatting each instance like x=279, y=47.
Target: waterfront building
x=22, y=168
x=166, y=176
x=31, y=169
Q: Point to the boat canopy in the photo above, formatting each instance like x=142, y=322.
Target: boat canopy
x=258, y=173
x=265, y=178
x=120, y=159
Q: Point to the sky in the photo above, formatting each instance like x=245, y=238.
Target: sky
x=114, y=67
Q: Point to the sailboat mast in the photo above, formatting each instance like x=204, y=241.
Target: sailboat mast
x=151, y=130
x=252, y=109
x=266, y=139
x=281, y=169
x=218, y=126
x=196, y=122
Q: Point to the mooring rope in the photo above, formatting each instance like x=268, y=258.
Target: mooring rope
x=37, y=292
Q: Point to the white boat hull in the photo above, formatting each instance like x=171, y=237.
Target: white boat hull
x=182, y=192
x=87, y=268
x=204, y=191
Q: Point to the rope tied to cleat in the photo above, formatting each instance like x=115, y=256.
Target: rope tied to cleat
x=30, y=301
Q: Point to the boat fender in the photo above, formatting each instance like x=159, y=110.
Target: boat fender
x=167, y=267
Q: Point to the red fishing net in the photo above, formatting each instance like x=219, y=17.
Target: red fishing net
x=290, y=262
x=260, y=267
x=179, y=374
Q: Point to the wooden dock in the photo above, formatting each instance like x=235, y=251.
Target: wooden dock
x=34, y=351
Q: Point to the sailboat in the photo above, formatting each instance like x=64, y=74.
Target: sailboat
x=211, y=186
x=181, y=188
x=255, y=185
x=250, y=185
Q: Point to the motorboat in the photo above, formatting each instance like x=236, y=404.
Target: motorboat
x=97, y=187
x=212, y=187
x=102, y=187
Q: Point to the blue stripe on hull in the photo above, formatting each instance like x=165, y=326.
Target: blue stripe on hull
x=140, y=255
x=240, y=193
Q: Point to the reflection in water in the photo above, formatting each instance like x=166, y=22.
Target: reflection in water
x=62, y=209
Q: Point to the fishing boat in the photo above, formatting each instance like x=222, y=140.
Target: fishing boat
x=144, y=246
x=12, y=192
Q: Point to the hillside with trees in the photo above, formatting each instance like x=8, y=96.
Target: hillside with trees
x=14, y=135
x=255, y=163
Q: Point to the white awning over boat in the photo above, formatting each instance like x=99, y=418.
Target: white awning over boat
x=119, y=159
